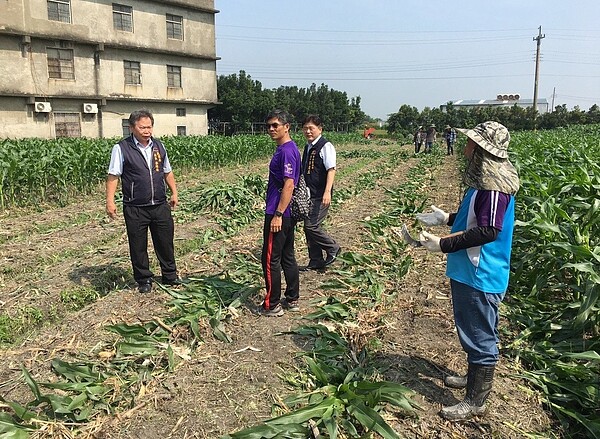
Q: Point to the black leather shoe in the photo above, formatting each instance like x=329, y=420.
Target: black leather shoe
x=331, y=258
x=145, y=287
x=311, y=267
x=172, y=282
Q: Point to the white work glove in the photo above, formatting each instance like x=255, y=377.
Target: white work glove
x=436, y=218
x=430, y=241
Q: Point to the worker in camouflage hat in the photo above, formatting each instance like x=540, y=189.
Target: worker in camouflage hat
x=478, y=261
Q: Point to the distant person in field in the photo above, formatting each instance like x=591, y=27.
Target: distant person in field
x=430, y=138
x=418, y=139
x=278, y=231
x=140, y=161
x=318, y=167
x=478, y=260
x=450, y=136
x=369, y=132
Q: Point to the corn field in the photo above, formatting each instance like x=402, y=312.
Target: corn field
x=552, y=309
x=554, y=303
x=38, y=170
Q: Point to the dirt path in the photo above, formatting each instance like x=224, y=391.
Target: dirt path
x=225, y=387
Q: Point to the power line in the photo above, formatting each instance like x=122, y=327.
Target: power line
x=444, y=78
x=362, y=42
x=380, y=70
x=523, y=56
x=582, y=98
x=372, y=31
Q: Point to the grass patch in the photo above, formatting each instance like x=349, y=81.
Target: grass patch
x=13, y=327
x=76, y=298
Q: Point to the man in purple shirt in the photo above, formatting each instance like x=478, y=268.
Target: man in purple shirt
x=278, y=232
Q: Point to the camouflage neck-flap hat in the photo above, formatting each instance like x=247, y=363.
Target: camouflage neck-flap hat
x=491, y=136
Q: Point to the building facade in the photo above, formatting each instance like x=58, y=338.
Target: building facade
x=71, y=68
x=502, y=100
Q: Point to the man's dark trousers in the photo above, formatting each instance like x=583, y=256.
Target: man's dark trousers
x=317, y=240
x=278, y=253
x=160, y=222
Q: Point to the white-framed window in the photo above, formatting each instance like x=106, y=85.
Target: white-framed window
x=174, y=76
x=59, y=10
x=175, y=27
x=122, y=17
x=60, y=63
x=133, y=72
x=181, y=130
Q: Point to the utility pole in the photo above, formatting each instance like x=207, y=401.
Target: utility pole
x=553, y=96
x=538, y=39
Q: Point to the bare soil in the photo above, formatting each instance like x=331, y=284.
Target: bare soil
x=226, y=387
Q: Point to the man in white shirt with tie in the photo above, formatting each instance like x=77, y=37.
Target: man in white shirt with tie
x=318, y=167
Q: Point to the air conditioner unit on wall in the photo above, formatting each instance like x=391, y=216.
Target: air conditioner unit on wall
x=90, y=108
x=42, y=107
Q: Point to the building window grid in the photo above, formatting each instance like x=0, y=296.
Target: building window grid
x=122, y=17
x=59, y=10
x=174, y=76
x=181, y=130
x=174, y=27
x=180, y=112
x=67, y=124
x=60, y=63
x=125, y=127
x=133, y=72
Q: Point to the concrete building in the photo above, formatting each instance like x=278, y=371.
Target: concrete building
x=502, y=100
x=80, y=67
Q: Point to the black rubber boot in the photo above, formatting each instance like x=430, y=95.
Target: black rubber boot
x=455, y=381
x=479, y=386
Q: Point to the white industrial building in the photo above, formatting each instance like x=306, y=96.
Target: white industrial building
x=502, y=100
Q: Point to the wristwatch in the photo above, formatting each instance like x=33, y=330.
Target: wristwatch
x=278, y=213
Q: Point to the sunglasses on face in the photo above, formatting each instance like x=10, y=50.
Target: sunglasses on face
x=274, y=125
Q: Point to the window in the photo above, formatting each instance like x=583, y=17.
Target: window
x=122, y=17
x=60, y=63
x=59, y=10
x=174, y=76
x=67, y=125
x=180, y=112
x=174, y=27
x=181, y=130
x=125, y=126
x=133, y=72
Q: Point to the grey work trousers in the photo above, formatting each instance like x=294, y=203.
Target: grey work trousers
x=317, y=239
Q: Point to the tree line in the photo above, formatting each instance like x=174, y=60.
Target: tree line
x=408, y=118
x=245, y=104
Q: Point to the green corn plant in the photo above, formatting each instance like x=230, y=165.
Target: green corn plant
x=338, y=396
x=554, y=302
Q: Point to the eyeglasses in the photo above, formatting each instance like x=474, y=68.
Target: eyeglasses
x=274, y=125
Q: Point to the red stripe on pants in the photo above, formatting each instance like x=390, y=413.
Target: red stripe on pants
x=268, y=280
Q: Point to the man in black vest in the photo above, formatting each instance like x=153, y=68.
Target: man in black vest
x=141, y=162
x=318, y=166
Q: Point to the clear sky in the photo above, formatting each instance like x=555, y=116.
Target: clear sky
x=420, y=53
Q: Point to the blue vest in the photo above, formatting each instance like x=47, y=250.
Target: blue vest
x=142, y=186
x=485, y=267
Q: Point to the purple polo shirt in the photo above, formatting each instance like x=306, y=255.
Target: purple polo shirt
x=285, y=163
x=490, y=207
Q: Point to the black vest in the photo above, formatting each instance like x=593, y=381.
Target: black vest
x=142, y=186
x=313, y=168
